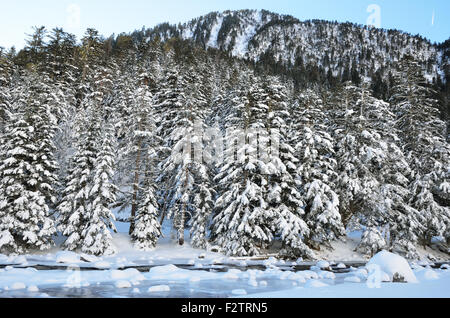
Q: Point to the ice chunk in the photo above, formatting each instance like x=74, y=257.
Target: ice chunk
x=159, y=288
x=33, y=289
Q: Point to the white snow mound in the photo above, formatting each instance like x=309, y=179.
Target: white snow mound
x=391, y=264
x=128, y=274
x=123, y=284
x=168, y=269
x=323, y=264
x=67, y=257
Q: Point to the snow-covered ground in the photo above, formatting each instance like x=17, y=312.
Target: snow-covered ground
x=173, y=271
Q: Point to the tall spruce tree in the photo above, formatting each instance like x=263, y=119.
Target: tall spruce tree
x=27, y=174
x=317, y=169
x=423, y=136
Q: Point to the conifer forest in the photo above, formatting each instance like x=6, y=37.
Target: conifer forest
x=97, y=131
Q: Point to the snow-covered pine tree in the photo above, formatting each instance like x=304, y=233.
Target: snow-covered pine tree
x=361, y=156
x=85, y=209
x=147, y=228
x=139, y=139
x=179, y=115
x=75, y=204
x=404, y=220
x=317, y=169
x=46, y=97
x=423, y=136
x=97, y=239
x=283, y=197
x=145, y=147
x=203, y=202
x=6, y=68
x=241, y=225
x=199, y=95
x=27, y=178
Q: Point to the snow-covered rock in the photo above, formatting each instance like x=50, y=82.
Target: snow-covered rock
x=323, y=265
x=393, y=264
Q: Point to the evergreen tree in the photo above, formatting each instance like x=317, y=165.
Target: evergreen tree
x=97, y=237
x=75, y=206
x=423, y=136
x=284, y=199
x=317, y=170
x=242, y=226
x=27, y=179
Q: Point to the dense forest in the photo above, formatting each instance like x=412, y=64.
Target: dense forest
x=93, y=131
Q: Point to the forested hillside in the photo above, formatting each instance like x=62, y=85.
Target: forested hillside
x=93, y=131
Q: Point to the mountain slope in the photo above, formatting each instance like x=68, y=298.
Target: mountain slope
x=335, y=49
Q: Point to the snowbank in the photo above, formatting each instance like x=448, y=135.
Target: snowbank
x=393, y=264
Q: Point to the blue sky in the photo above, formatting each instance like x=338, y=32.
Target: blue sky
x=430, y=18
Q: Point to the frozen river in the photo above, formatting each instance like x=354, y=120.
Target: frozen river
x=161, y=281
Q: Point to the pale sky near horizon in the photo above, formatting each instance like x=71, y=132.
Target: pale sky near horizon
x=429, y=18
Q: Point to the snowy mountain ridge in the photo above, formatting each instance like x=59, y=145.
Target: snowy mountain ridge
x=335, y=48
